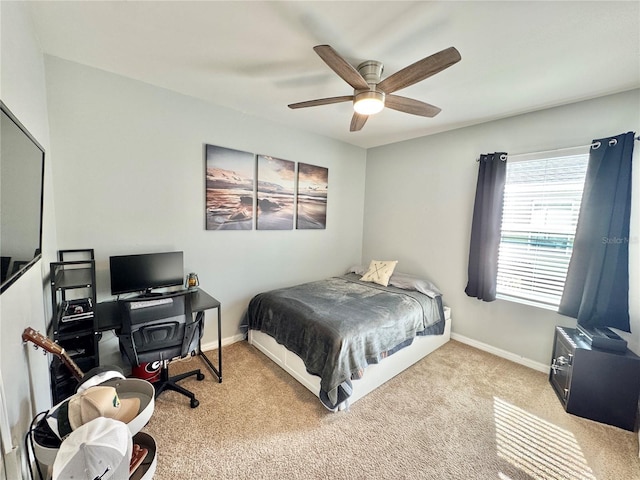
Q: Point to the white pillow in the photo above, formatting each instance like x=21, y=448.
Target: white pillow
x=410, y=282
x=379, y=272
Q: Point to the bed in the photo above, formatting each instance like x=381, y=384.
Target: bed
x=327, y=333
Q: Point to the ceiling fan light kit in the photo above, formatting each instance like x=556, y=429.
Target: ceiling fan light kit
x=370, y=93
x=368, y=102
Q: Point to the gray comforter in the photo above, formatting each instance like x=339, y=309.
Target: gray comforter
x=339, y=325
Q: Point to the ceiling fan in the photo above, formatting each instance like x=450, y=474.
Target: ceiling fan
x=371, y=94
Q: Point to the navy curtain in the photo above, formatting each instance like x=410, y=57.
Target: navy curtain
x=485, y=229
x=596, y=291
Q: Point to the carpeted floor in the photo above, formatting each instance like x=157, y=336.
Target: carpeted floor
x=458, y=414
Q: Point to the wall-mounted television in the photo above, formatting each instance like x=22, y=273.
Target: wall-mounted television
x=142, y=273
x=21, y=199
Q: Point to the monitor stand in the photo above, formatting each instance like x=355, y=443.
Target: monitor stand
x=150, y=294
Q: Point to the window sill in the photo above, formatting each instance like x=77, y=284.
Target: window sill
x=524, y=301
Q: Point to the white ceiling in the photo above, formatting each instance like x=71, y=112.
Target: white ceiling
x=257, y=57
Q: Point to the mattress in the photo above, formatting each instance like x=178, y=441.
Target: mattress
x=341, y=325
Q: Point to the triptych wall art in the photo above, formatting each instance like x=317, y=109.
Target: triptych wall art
x=244, y=189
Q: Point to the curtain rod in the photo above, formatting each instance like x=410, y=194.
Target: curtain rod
x=594, y=145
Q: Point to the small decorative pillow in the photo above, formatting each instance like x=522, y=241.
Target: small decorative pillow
x=379, y=272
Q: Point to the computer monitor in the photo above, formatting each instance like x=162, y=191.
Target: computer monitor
x=145, y=272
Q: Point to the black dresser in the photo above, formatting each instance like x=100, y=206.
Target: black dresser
x=601, y=385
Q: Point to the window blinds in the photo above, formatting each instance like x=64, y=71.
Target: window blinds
x=541, y=207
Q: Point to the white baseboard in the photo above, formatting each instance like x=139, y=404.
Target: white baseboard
x=225, y=341
x=541, y=367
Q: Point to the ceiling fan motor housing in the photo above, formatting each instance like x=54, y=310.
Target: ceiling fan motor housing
x=371, y=71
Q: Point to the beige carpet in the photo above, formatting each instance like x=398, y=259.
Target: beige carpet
x=458, y=414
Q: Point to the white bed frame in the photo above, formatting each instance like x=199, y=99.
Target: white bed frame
x=375, y=375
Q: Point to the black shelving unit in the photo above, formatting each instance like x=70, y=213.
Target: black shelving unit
x=73, y=300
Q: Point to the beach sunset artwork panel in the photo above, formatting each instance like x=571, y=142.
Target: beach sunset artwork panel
x=313, y=185
x=229, y=188
x=276, y=189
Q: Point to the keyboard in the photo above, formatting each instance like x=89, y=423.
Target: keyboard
x=154, y=302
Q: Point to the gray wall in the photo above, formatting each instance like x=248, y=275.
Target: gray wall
x=419, y=204
x=24, y=371
x=131, y=180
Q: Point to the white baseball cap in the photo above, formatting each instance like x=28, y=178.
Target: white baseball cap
x=98, y=450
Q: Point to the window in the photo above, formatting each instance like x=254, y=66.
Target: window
x=541, y=207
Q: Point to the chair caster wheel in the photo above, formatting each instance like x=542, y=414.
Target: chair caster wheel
x=200, y=376
x=194, y=403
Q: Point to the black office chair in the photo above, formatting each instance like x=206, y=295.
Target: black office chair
x=160, y=329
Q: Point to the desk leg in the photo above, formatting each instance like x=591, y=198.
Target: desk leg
x=216, y=371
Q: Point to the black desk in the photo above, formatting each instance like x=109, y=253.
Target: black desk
x=109, y=317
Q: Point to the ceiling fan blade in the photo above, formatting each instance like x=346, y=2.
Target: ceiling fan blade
x=344, y=69
x=420, y=70
x=357, y=121
x=322, y=101
x=409, y=105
